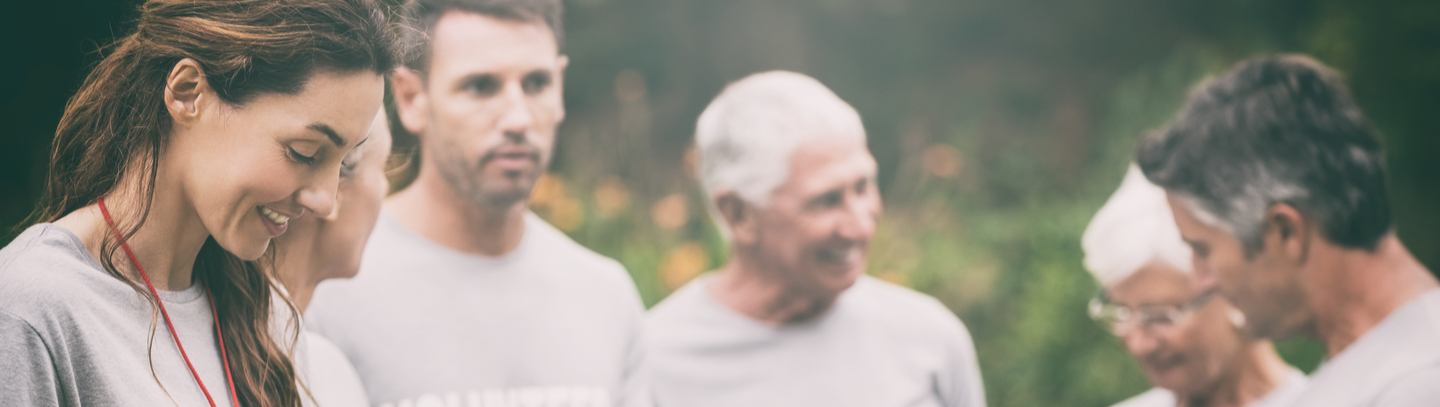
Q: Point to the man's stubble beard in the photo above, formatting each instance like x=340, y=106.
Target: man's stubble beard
x=468, y=181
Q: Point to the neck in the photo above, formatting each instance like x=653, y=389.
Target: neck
x=432, y=208
x=1354, y=290
x=165, y=245
x=751, y=290
x=299, y=285
x=1257, y=371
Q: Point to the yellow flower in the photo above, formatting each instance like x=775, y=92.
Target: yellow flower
x=671, y=212
x=682, y=264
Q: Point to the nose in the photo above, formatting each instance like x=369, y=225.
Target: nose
x=320, y=198
x=1136, y=340
x=516, y=118
x=860, y=216
x=1203, y=277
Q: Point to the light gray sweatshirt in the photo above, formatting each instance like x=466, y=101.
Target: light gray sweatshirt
x=73, y=335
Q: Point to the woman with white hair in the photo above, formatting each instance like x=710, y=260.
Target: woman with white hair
x=1188, y=343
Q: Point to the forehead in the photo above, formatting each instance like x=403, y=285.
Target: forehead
x=1193, y=225
x=341, y=101
x=464, y=40
x=821, y=164
x=379, y=139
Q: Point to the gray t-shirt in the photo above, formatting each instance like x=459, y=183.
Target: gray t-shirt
x=1281, y=396
x=879, y=345
x=1395, y=364
x=327, y=378
x=550, y=323
x=330, y=378
x=73, y=335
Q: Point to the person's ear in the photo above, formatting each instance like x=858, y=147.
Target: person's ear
x=1288, y=231
x=412, y=103
x=561, y=62
x=186, y=92
x=738, y=216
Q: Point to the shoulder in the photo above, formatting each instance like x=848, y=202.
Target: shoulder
x=1416, y=388
x=689, y=320
x=42, y=246
x=331, y=378
x=45, y=271
x=907, y=309
x=679, y=307
x=322, y=355
x=552, y=245
x=1155, y=397
x=1286, y=393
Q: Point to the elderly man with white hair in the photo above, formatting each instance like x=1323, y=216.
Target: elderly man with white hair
x=791, y=319
x=1189, y=342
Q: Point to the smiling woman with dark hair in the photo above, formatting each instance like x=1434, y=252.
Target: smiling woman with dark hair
x=186, y=150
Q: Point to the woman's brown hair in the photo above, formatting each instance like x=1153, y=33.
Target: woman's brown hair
x=116, y=128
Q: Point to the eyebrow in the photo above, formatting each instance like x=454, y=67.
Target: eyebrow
x=329, y=132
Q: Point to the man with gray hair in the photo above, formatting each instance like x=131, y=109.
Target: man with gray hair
x=1277, y=182
x=791, y=319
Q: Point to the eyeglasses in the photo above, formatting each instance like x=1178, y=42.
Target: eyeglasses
x=1117, y=317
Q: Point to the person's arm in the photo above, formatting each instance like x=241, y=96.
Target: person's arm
x=959, y=383
x=27, y=372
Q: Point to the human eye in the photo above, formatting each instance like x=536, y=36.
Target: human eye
x=483, y=85
x=829, y=199
x=350, y=164
x=535, y=82
x=1200, y=250
x=302, y=158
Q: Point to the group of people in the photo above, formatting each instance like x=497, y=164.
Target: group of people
x=229, y=156
x=1260, y=213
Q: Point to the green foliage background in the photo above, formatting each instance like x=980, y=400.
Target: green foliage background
x=1000, y=127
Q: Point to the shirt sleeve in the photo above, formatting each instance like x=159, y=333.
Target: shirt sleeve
x=1418, y=389
x=959, y=383
x=27, y=372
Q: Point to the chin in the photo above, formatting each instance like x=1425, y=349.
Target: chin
x=248, y=251
x=1172, y=380
x=842, y=282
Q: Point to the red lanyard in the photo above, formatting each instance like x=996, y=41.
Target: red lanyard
x=223, y=357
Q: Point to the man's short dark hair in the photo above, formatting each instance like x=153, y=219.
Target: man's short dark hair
x=1272, y=130
x=420, y=17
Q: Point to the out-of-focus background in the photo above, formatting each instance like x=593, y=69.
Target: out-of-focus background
x=1000, y=127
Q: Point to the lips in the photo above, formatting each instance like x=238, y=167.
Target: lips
x=839, y=256
x=275, y=222
x=1159, y=364
x=513, y=156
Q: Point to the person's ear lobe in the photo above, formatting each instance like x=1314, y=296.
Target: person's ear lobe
x=1288, y=230
x=412, y=104
x=186, y=92
x=738, y=216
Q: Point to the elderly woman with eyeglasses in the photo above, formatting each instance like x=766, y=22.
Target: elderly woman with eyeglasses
x=1187, y=342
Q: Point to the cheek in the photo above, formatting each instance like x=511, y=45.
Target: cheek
x=272, y=183
x=1230, y=270
x=243, y=178
x=368, y=197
